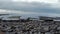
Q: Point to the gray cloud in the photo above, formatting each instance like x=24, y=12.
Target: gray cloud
x=23, y=6
x=28, y=7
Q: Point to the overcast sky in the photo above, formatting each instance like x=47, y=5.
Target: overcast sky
x=31, y=7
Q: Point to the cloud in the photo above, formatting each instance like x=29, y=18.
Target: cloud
x=36, y=8
x=46, y=1
x=22, y=13
x=24, y=6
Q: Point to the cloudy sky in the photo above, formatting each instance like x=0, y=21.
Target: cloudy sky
x=31, y=7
